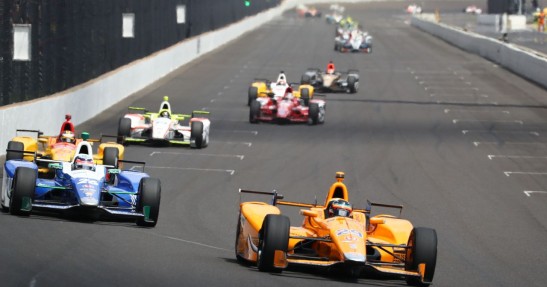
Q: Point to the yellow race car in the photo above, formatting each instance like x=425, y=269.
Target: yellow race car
x=265, y=88
x=334, y=236
x=61, y=147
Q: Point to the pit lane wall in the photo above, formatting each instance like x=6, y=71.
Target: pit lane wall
x=87, y=100
x=520, y=60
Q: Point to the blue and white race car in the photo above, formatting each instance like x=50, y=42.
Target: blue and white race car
x=82, y=187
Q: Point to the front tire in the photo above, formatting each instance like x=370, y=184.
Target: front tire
x=196, y=134
x=353, y=84
x=253, y=94
x=124, y=129
x=24, y=182
x=110, y=156
x=254, y=112
x=149, y=201
x=314, y=113
x=274, y=235
x=16, y=146
x=422, y=248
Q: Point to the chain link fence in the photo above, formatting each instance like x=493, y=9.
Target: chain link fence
x=73, y=41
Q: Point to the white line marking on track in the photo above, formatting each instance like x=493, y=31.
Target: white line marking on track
x=450, y=88
x=219, y=94
x=492, y=156
x=212, y=101
x=477, y=143
x=240, y=156
x=226, y=87
x=249, y=144
x=459, y=95
x=239, y=131
x=455, y=121
x=508, y=173
x=446, y=111
x=497, y=132
x=230, y=171
x=191, y=242
x=530, y=192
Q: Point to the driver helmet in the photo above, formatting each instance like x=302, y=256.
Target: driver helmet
x=339, y=207
x=84, y=161
x=288, y=93
x=281, y=79
x=68, y=137
x=330, y=68
x=164, y=114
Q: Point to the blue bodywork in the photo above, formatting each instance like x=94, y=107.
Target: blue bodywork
x=83, y=190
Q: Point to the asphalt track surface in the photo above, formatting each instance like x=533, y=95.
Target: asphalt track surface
x=457, y=140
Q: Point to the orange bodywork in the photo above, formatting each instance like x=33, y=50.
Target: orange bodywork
x=343, y=241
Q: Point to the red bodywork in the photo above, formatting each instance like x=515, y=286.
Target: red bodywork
x=284, y=110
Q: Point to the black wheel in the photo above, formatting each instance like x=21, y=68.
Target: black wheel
x=24, y=182
x=196, y=134
x=124, y=129
x=314, y=114
x=305, y=96
x=306, y=79
x=253, y=94
x=149, y=201
x=254, y=112
x=422, y=248
x=353, y=84
x=110, y=156
x=274, y=235
x=14, y=145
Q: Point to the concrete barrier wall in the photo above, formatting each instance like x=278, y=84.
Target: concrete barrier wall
x=520, y=60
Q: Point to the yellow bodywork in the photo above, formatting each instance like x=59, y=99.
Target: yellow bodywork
x=263, y=89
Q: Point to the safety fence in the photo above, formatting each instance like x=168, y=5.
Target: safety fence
x=69, y=42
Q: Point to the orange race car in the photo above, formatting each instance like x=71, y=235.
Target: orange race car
x=61, y=147
x=335, y=236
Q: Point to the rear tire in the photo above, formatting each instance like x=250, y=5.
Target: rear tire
x=305, y=96
x=314, y=113
x=253, y=94
x=110, y=156
x=422, y=248
x=196, y=134
x=24, y=183
x=149, y=201
x=124, y=129
x=254, y=112
x=274, y=235
x=353, y=84
x=15, y=145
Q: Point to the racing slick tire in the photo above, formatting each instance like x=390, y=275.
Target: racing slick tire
x=274, y=235
x=422, y=248
x=305, y=96
x=15, y=145
x=149, y=201
x=254, y=112
x=306, y=79
x=313, y=114
x=24, y=182
x=196, y=134
x=253, y=94
x=353, y=84
x=110, y=156
x=124, y=129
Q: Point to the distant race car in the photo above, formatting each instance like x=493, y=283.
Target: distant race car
x=336, y=15
x=305, y=11
x=334, y=236
x=287, y=109
x=81, y=187
x=60, y=147
x=334, y=81
x=353, y=41
x=164, y=127
x=261, y=88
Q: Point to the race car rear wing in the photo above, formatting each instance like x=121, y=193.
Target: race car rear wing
x=138, y=109
x=274, y=194
x=136, y=164
x=38, y=133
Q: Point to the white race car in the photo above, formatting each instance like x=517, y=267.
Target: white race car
x=164, y=127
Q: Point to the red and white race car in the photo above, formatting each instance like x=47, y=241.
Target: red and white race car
x=287, y=109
